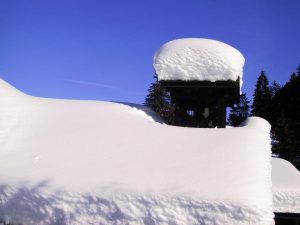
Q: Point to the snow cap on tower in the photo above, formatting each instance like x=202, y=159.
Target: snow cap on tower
x=198, y=59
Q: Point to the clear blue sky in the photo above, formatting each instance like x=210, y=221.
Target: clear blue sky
x=96, y=49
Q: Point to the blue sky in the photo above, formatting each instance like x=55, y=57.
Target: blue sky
x=94, y=49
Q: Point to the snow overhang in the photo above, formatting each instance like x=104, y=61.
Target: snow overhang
x=198, y=59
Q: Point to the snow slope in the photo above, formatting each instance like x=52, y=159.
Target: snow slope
x=286, y=186
x=92, y=162
x=198, y=59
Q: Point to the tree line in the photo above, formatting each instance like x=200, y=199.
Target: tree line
x=279, y=105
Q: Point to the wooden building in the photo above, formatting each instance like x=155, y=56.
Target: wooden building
x=202, y=103
x=203, y=77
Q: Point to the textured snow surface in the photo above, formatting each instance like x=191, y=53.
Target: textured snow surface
x=91, y=162
x=286, y=186
x=198, y=59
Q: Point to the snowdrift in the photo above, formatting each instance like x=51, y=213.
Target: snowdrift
x=286, y=186
x=92, y=162
x=198, y=59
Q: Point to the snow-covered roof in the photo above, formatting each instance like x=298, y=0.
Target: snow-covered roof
x=286, y=186
x=92, y=162
x=198, y=59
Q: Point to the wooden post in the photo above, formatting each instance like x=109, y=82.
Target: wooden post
x=221, y=113
x=178, y=117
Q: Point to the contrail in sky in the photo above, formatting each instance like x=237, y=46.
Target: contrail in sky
x=88, y=83
x=96, y=84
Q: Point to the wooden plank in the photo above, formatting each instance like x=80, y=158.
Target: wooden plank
x=221, y=113
x=287, y=218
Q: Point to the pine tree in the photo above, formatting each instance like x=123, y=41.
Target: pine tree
x=262, y=98
x=284, y=144
x=293, y=76
x=160, y=101
x=298, y=71
x=286, y=128
x=275, y=87
x=239, y=112
x=273, y=119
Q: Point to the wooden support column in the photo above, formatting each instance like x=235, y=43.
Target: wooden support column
x=178, y=116
x=221, y=113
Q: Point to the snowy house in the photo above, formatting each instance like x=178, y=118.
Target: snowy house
x=91, y=162
x=286, y=192
x=61, y=163
x=203, y=76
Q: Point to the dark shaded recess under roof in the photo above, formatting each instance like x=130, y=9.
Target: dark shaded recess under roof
x=197, y=95
x=287, y=218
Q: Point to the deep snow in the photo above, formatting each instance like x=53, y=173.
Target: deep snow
x=198, y=59
x=286, y=186
x=92, y=162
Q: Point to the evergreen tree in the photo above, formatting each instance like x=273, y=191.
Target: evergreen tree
x=286, y=129
x=159, y=101
x=293, y=76
x=239, y=112
x=284, y=136
x=273, y=119
x=298, y=71
x=262, y=98
x=275, y=87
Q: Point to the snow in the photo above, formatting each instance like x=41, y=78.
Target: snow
x=92, y=162
x=198, y=59
x=286, y=186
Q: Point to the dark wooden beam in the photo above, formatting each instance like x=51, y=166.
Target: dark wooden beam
x=179, y=83
x=287, y=218
x=221, y=113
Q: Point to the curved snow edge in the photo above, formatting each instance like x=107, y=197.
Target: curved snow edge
x=258, y=123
